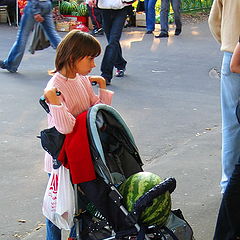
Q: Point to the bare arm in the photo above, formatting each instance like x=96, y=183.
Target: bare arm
x=235, y=62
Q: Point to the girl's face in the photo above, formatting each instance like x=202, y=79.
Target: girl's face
x=84, y=66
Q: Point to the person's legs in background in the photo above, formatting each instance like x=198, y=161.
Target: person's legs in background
x=17, y=51
x=230, y=93
x=96, y=18
x=176, y=5
x=48, y=24
x=165, y=5
x=50, y=30
x=150, y=15
x=113, y=23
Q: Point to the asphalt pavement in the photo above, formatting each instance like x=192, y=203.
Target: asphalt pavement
x=169, y=98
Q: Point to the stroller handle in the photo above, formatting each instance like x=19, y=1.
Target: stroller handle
x=145, y=201
x=43, y=103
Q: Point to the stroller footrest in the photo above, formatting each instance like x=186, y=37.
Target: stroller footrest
x=127, y=232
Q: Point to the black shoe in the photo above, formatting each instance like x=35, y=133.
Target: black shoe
x=120, y=73
x=108, y=82
x=162, y=35
x=178, y=31
x=149, y=32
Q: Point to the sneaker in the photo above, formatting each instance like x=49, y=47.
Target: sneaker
x=162, y=35
x=149, y=32
x=120, y=73
x=178, y=31
x=2, y=65
x=108, y=82
x=97, y=32
x=100, y=31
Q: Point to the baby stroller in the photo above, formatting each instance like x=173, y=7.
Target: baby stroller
x=100, y=214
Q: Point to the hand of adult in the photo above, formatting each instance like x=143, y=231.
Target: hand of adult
x=38, y=18
x=92, y=3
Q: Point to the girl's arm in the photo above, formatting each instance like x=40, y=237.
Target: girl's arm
x=99, y=80
x=104, y=95
x=64, y=121
x=235, y=62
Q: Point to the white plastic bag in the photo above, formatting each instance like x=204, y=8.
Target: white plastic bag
x=58, y=202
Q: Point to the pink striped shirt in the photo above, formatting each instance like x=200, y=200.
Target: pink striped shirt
x=77, y=96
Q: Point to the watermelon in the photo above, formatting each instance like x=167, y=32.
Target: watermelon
x=82, y=9
x=138, y=184
x=65, y=8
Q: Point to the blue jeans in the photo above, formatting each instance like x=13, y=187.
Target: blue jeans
x=150, y=14
x=165, y=7
x=26, y=26
x=53, y=232
x=230, y=94
x=113, y=23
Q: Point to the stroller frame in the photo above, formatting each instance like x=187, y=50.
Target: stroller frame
x=98, y=115
x=98, y=118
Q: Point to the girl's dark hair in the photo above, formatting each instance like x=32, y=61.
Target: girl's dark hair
x=74, y=46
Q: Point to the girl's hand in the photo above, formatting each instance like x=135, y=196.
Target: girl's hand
x=99, y=80
x=51, y=96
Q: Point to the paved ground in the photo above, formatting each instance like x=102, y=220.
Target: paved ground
x=168, y=100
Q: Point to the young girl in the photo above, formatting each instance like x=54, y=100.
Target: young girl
x=74, y=60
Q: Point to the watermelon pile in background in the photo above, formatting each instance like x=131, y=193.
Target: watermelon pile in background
x=73, y=8
x=138, y=184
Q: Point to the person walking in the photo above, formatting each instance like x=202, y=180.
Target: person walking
x=96, y=18
x=150, y=12
x=114, y=16
x=35, y=11
x=165, y=8
x=224, y=24
x=74, y=61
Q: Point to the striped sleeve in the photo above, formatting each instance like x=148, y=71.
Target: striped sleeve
x=63, y=120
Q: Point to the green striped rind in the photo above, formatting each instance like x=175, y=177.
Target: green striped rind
x=138, y=184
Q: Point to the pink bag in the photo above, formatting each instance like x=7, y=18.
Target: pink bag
x=58, y=202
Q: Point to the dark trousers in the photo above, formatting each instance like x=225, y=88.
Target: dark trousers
x=113, y=23
x=96, y=17
x=228, y=222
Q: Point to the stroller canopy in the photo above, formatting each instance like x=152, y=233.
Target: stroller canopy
x=113, y=148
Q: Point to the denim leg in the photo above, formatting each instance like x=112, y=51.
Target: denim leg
x=52, y=231
x=176, y=4
x=150, y=14
x=230, y=93
x=165, y=5
x=16, y=53
x=113, y=23
x=49, y=28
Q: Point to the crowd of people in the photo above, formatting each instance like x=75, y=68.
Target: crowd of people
x=75, y=55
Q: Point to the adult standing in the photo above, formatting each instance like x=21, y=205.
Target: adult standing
x=150, y=12
x=165, y=8
x=224, y=21
x=114, y=14
x=35, y=11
